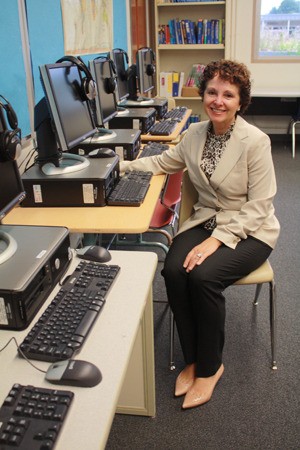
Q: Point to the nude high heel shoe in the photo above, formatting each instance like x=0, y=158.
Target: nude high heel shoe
x=202, y=390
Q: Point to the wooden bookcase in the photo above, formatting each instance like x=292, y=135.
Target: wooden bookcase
x=181, y=57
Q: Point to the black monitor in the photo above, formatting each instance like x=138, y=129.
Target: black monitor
x=63, y=119
x=120, y=60
x=145, y=69
x=141, y=76
x=12, y=193
x=105, y=103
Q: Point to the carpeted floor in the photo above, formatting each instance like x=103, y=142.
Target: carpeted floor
x=252, y=407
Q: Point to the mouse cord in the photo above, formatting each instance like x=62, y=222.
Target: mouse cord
x=25, y=357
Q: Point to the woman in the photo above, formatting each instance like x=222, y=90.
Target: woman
x=233, y=228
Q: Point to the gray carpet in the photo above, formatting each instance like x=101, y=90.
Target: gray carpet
x=252, y=407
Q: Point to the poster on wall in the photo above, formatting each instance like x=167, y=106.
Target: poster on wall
x=87, y=26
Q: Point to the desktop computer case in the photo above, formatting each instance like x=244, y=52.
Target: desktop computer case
x=141, y=119
x=159, y=104
x=126, y=144
x=87, y=187
x=29, y=276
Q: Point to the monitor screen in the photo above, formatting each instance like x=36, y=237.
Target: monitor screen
x=69, y=112
x=11, y=187
x=145, y=69
x=118, y=56
x=105, y=101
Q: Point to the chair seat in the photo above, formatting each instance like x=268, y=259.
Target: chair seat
x=262, y=274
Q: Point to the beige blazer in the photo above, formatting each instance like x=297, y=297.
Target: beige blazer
x=239, y=193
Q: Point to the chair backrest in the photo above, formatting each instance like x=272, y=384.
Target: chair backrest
x=171, y=194
x=189, y=196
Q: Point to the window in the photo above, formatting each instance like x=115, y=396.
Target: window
x=277, y=31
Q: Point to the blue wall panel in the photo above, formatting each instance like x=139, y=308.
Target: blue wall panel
x=46, y=46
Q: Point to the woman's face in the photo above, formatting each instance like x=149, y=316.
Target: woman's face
x=221, y=102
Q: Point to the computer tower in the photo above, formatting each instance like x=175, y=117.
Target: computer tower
x=29, y=275
x=87, y=187
x=159, y=104
x=126, y=143
x=137, y=118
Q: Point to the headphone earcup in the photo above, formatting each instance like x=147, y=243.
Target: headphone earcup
x=110, y=85
x=10, y=145
x=150, y=69
x=89, y=88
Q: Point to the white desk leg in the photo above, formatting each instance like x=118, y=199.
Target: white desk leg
x=138, y=390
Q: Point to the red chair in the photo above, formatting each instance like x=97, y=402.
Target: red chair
x=165, y=214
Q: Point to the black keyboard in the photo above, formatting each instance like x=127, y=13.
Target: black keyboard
x=152, y=149
x=164, y=128
x=63, y=327
x=176, y=113
x=31, y=417
x=131, y=189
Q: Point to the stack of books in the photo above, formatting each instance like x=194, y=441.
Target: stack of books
x=170, y=84
x=185, y=31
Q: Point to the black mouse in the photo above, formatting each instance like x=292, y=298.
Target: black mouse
x=74, y=372
x=102, y=153
x=94, y=253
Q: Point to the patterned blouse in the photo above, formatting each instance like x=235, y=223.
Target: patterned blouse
x=212, y=152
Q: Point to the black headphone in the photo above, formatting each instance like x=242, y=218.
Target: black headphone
x=124, y=75
x=110, y=83
x=89, y=88
x=150, y=69
x=10, y=142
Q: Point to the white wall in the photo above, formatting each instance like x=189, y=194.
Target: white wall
x=270, y=76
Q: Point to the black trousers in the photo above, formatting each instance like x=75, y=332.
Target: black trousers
x=197, y=299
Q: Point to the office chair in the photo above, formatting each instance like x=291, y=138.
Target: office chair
x=165, y=214
x=264, y=274
x=295, y=120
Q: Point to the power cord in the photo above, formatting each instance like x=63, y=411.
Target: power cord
x=25, y=357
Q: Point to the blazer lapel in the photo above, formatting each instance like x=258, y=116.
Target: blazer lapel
x=232, y=153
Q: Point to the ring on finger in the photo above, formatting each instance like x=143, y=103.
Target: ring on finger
x=199, y=255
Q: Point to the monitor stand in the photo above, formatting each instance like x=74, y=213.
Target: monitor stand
x=141, y=101
x=102, y=135
x=122, y=111
x=10, y=246
x=68, y=163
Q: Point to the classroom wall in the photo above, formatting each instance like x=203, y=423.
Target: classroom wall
x=270, y=76
x=46, y=46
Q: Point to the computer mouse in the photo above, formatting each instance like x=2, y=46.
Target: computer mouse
x=94, y=253
x=102, y=153
x=74, y=372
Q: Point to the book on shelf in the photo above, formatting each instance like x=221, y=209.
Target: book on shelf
x=185, y=31
x=195, y=75
x=170, y=83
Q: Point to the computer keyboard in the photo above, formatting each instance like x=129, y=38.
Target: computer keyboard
x=62, y=329
x=131, y=189
x=152, y=149
x=31, y=417
x=164, y=128
x=176, y=113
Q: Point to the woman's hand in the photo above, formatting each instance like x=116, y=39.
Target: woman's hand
x=199, y=253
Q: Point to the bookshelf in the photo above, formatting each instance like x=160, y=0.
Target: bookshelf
x=180, y=57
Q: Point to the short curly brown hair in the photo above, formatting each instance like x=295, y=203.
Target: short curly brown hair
x=232, y=71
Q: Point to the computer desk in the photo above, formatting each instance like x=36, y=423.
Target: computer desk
x=106, y=219
x=170, y=137
x=120, y=343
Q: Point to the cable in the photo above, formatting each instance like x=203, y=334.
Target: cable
x=25, y=357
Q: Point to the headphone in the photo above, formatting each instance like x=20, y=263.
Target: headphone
x=89, y=88
x=10, y=142
x=110, y=83
x=150, y=69
x=124, y=74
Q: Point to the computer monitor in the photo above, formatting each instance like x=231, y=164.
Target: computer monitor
x=145, y=69
x=120, y=60
x=12, y=193
x=141, y=76
x=105, y=104
x=63, y=119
